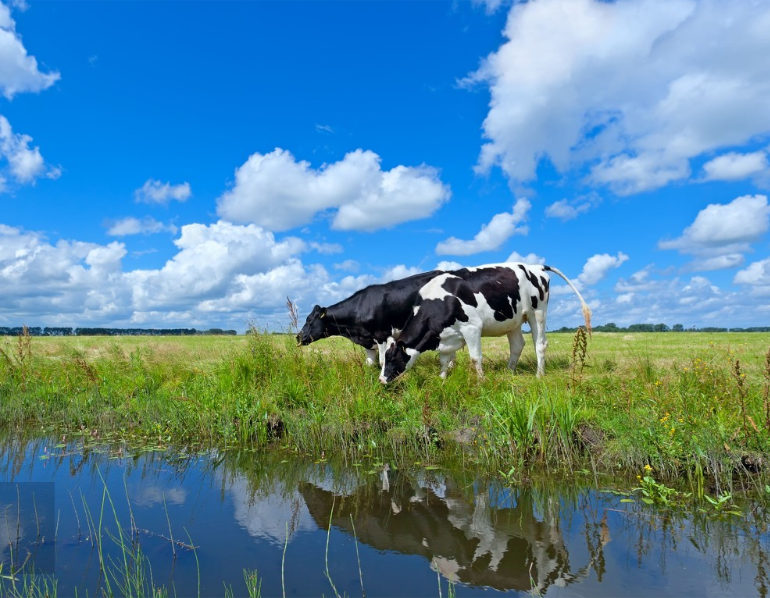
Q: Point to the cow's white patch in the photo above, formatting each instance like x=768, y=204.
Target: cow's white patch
x=435, y=289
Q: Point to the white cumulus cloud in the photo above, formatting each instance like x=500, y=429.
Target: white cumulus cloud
x=226, y=275
x=278, y=192
x=654, y=297
x=530, y=258
x=756, y=273
x=492, y=235
x=223, y=275
x=722, y=233
x=597, y=266
x=138, y=226
x=51, y=282
x=398, y=272
x=734, y=166
x=569, y=210
x=756, y=276
x=162, y=193
x=743, y=220
x=348, y=266
x=717, y=262
x=208, y=259
x=326, y=248
x=629, y=90
x=449, y=265
x=25, y=163
x=19, y=71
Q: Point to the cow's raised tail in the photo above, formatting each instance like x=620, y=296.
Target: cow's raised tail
x=586, y=309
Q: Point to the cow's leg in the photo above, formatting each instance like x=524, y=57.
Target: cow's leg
x=516, y=341
x=473, y=340
x=371, y=356
x=447, y=361
x=538, y=338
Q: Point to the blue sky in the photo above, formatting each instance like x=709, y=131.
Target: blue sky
x=169, y=164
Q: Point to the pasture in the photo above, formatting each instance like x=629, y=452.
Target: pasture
x=679, y=404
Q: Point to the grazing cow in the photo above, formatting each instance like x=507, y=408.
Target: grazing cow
x=459, y=307
x=369, y=316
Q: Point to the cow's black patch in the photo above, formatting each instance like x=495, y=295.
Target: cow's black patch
x=500, y=287
x=423, y=330
x=534, y=301
x=368, y=316
x=534, y=280
x=456, y=286
x=546, y=284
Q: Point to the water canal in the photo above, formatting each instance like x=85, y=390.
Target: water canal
x=102, y=519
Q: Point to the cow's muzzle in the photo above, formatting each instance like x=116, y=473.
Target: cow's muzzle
x=391, y=378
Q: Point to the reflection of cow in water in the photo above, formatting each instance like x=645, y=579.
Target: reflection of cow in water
x=506, y=547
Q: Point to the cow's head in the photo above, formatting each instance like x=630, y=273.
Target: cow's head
x=314, y=328
x=398, y=359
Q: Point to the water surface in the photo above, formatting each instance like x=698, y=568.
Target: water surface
x=313, y=528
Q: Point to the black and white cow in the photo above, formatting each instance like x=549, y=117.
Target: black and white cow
x=457, y=308
x=368, y=317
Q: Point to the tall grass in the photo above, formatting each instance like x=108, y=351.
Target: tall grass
x=672, y=401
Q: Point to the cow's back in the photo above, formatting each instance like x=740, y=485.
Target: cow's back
x=393, y=302
x=378, y=309
x=496, y=297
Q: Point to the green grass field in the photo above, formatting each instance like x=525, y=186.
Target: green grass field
x=675, y=402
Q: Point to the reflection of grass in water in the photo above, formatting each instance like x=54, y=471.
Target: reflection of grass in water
x=19, y=579
x=670, y=400
x=18, y=574
x=124, y=570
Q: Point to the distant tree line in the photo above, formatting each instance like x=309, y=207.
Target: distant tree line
x=63, y=331
x=611, y=327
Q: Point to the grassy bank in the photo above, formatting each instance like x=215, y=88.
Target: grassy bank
x=683, y=404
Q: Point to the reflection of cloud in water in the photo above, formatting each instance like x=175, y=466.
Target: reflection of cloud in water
x=267, y=517
x=148, y=496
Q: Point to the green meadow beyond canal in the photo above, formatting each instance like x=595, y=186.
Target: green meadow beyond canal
x=248, y=466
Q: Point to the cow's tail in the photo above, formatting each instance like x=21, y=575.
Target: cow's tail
x=586, y=309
